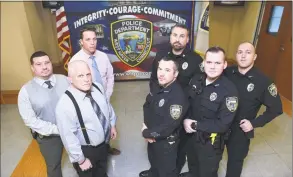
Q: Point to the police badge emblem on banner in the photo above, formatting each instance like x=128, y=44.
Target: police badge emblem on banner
x=132, y=40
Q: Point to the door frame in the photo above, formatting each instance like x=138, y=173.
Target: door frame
x=259, y=23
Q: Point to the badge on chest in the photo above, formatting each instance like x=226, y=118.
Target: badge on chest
x=213, y=96
x=184, y=65
x=161, y=102
x=250, y=87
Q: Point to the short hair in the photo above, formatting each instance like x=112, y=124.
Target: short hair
x=215, y=49
x=73, y=65
x=180, y=25
x=38, y=54
x=247, y=42
x=167, y=58
x=87, y=28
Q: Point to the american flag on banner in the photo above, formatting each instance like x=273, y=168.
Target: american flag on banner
x=63, y=35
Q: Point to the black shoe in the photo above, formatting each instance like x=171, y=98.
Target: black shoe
x=146, y=173
x=185, y=174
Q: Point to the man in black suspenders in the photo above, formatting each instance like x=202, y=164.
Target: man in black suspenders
x=86, y=122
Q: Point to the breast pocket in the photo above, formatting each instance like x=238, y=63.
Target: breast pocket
x=209, y=109
x=160, y=107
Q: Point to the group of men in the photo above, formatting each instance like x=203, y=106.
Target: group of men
x=73, y=112
x=198, y=106
x=195, y=108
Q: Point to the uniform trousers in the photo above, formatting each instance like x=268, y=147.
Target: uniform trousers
x=206, y=158
x=237, y=148
x=51, y=148
x=183, y=151
x=162, y=157
x=98, y=157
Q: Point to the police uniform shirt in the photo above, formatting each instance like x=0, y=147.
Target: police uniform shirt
x=190, y=63
x=69, y=126
x=163, y=111
x=254, y=90
x=213, y=106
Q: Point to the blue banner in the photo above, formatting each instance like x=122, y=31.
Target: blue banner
x=130, y=33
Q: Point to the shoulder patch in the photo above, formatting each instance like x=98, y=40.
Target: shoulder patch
x=273, y=90
x=232, y=103
x=175, y=111
x=201, y=67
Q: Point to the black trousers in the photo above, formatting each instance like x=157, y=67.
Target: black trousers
x=205, y=157
x=237, y=148
x=183, y=151
x=162, y=157
x=51, y=149
x=98, y=157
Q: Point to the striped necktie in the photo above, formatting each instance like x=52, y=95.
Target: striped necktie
x=96, y=71
x=105, y=123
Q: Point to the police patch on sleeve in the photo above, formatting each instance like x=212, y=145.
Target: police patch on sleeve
x=175, y=111
x=273, y=90
x=201, y=67
x=232, y=103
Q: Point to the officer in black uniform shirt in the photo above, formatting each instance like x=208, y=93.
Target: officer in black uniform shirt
x=164, y=110
x=190, y=63
x=213, y=104
x=255, y=89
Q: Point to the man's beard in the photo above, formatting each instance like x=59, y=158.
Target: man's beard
x=178, y=48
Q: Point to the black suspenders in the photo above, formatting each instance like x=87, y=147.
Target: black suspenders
x=86, y=137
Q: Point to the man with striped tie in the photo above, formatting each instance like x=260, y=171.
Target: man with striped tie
x=99, y=64
x=86, y=122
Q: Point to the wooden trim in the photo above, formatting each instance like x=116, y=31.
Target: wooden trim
x=287, y=105
x=9, y=96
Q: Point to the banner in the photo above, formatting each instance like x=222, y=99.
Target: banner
x=129, y=32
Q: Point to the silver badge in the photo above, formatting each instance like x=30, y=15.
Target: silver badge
x=250, y=87
x=213, y=96
x=161, y=103
x=175, y=111
x=232, y=103
x=273, y=90
x=201, y=67
x=184, y=65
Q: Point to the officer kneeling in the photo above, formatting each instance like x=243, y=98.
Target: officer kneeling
x=213, y=104
x=164, y=110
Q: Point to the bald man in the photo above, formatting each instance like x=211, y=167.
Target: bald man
x=255, y=89
x=86, y=122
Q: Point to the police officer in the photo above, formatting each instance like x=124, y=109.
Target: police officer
x=213, y=104
x=164, y=110
x=255, y=89
x=190, y=63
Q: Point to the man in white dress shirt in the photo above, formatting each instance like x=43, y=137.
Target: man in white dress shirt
x=37, y=100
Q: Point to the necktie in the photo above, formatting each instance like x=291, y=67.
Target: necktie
x=101, y=116
x=49, y=84
x=95, y=70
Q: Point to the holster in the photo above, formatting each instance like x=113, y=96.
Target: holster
x=204, y=137
x=174, y=136
x=34, y=134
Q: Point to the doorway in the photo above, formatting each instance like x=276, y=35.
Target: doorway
x=274, y=45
